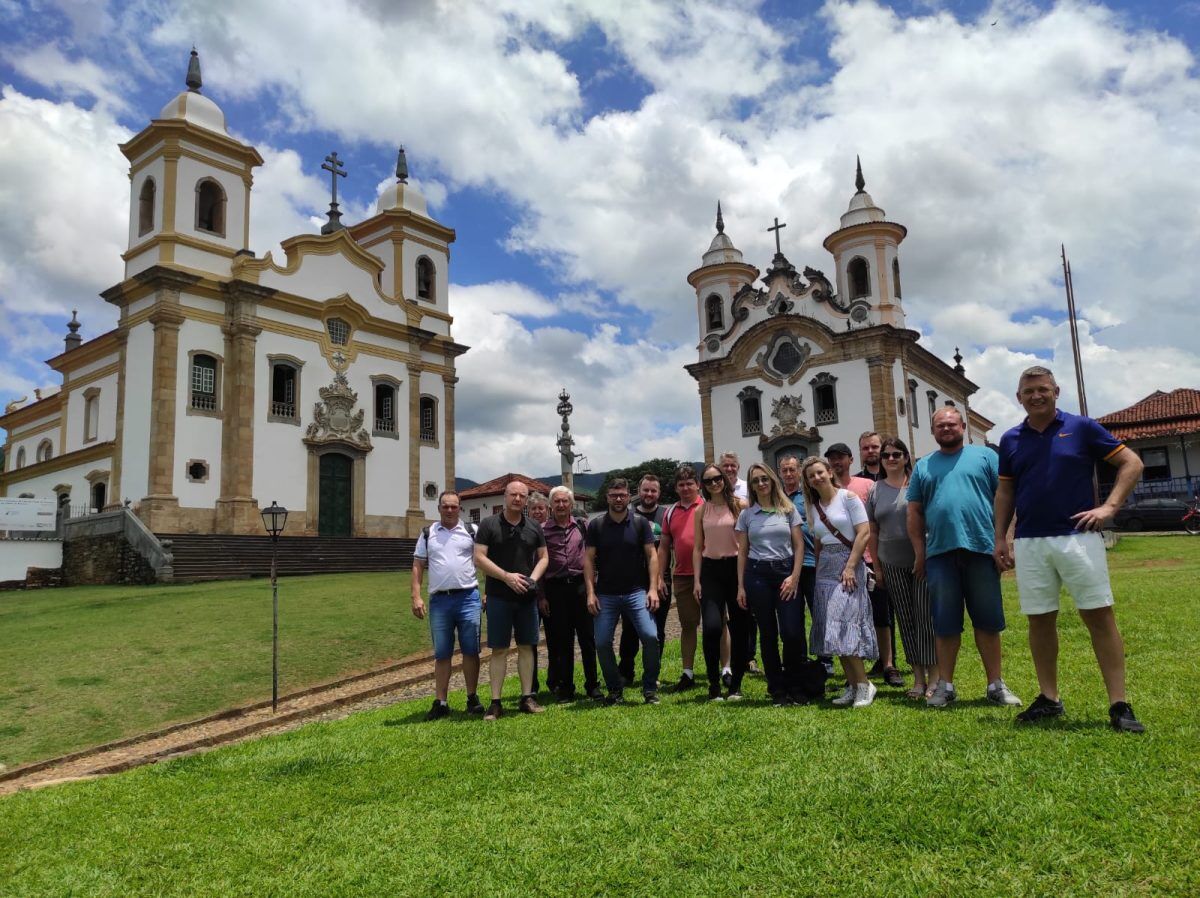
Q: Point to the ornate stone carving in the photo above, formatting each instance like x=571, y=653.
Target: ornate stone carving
x=780, y=305
x=334, y=417
x=786, y=410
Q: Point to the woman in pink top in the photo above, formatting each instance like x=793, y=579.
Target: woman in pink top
x=714, y=561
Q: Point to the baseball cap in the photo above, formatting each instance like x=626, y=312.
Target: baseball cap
x=838, y=449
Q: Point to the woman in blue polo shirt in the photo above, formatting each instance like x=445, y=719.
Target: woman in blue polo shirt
x=770, y=553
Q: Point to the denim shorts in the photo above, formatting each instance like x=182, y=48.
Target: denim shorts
x=961, y=578
x=451, y=610
x=506, y=617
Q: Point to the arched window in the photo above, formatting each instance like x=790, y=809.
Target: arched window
x=896, y=277
x=45, y=451
x=285, y=390
x=146, y=207
x=426, y=286
x=210, y=207
x=91, y=414
x=714, y=312
x=20, y=463
x=99, y=495
x=824, y=387
x=204, y=382
x=385, y=408
x=750, y=405
x=859, y=274
x=428, y=419
x=912, y=401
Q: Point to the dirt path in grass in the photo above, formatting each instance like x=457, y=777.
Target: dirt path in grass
x=407, y=679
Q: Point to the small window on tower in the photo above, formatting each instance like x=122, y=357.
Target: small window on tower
x=204, y=382
x=428, y=418
x=859, y=274
x=210, y=207
x=425, y=279
x=896, y=277
x=339, y=331
x=714, y=310
x=824, y=387
x=146, y=207
x=750, y=404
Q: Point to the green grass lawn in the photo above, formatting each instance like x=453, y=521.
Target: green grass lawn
x=86, y=665
x=681, y=799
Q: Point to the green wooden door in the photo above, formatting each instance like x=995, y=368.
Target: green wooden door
x=336, y=495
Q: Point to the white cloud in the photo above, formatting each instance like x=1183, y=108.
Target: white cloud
x=48, y=66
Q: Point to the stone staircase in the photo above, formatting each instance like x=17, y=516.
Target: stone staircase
x=216, y=557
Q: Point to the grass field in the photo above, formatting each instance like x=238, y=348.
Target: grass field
x=86, y=665
x=685, y=798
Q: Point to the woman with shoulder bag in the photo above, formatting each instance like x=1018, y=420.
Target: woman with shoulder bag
x=842, y=621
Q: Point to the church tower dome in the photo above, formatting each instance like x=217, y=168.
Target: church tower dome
x=402, y=195
x=722, y=274
x=192, y=106
x=866, y=255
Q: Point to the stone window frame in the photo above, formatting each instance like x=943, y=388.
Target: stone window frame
x=220, y=209
x=218, y=377
x=429, y=487
x=336, y=323
x=290, y=361
x=19, y=459
x=821, y=413
x=385, y=380
x=91, y=414
x=852, y=279
x=45, y=451
x=147, y=196
x=434, y=439
x=750, y=397
x=714, y=313
x=187, y=470
x=431, y=269
x=931, y=396
x=474, y=515
x=912, y=402
x=96, y=478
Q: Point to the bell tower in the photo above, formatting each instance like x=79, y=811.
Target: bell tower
x=866, y=256
x=716, y=282
x=189, y=186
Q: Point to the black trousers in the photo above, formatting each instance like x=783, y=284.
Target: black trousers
x=567, y=621
x=631, y=644
x=718, y=600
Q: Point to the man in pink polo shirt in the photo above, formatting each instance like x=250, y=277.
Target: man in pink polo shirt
x=678, y=539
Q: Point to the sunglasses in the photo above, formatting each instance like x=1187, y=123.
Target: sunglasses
x=710, y=481
x=757, y=480
x=891, y=455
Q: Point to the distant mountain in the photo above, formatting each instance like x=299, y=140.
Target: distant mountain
x=589, y=483
x=463, y=483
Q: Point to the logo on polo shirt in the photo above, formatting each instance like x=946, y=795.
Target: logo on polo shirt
x=1065, y=434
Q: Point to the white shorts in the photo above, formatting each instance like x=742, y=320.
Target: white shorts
x=1045, y=564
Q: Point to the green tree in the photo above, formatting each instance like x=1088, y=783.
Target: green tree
x=663, y=468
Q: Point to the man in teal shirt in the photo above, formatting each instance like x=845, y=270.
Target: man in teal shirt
x=950, y=523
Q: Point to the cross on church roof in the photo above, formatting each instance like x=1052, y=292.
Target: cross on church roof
x=335, y=167
x=776, y=229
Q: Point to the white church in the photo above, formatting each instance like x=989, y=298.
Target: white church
x=323, y=380
x=799, y=362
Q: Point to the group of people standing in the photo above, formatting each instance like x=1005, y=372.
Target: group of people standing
x=914, y=546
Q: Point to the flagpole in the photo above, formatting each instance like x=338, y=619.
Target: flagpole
x=1070, y=287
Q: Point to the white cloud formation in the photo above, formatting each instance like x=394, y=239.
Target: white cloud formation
x=49, y=67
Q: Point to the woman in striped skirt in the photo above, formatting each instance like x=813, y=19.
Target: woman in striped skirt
x=892, y=551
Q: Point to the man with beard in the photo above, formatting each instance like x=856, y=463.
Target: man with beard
x=678, y=540
x=951, y=526
x=647, y=506
x=869, y=446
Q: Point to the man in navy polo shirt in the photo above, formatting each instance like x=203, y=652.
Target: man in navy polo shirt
x=1046, y=468
x=620, y=572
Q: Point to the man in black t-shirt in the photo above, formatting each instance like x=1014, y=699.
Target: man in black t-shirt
x=511, y=550
x=647, y=506
x=620, y=571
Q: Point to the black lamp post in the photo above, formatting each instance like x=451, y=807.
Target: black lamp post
x=274, y=519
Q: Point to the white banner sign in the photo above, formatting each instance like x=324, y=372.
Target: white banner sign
x=28, y=514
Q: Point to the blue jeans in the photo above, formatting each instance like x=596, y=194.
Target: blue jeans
x=634, y=607
x=777, y=620
x=450, y=610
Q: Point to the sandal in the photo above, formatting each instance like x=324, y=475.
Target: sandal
x=893, y=677
x=917, y=692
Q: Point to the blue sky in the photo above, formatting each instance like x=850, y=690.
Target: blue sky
x=579, y=149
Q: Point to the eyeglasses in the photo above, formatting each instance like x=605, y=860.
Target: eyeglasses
x=891, y=455
x=711, y=481
x=757, y=480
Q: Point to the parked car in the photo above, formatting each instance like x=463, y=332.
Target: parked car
x=1151, y=514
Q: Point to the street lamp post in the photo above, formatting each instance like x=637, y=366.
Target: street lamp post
x=274, y=519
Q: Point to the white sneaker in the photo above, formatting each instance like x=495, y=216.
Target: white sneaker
x=846, y=696
x=999, y=694
x=864, y=694
x=943, y=694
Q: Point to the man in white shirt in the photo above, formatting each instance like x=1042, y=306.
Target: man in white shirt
x=447, y=548
x=729, y=465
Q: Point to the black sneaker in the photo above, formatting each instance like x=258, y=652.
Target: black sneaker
x=876, y=669
x=651, y=698
x=494, y=710
x=686, y=682
x=893, y=677
x=596, y=694
x=474, y=705
x=781, y=700
x=438, y=711
x=714, y=693
x=614, y=698
x=565, y=697
x=798, y=698
x=1120, y=715
x=727, y=679
x=1041, y=708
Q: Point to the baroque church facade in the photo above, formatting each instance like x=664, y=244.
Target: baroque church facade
x=799, y=362
x=323, y=380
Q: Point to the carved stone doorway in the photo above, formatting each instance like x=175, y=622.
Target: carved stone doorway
x=336, y=495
